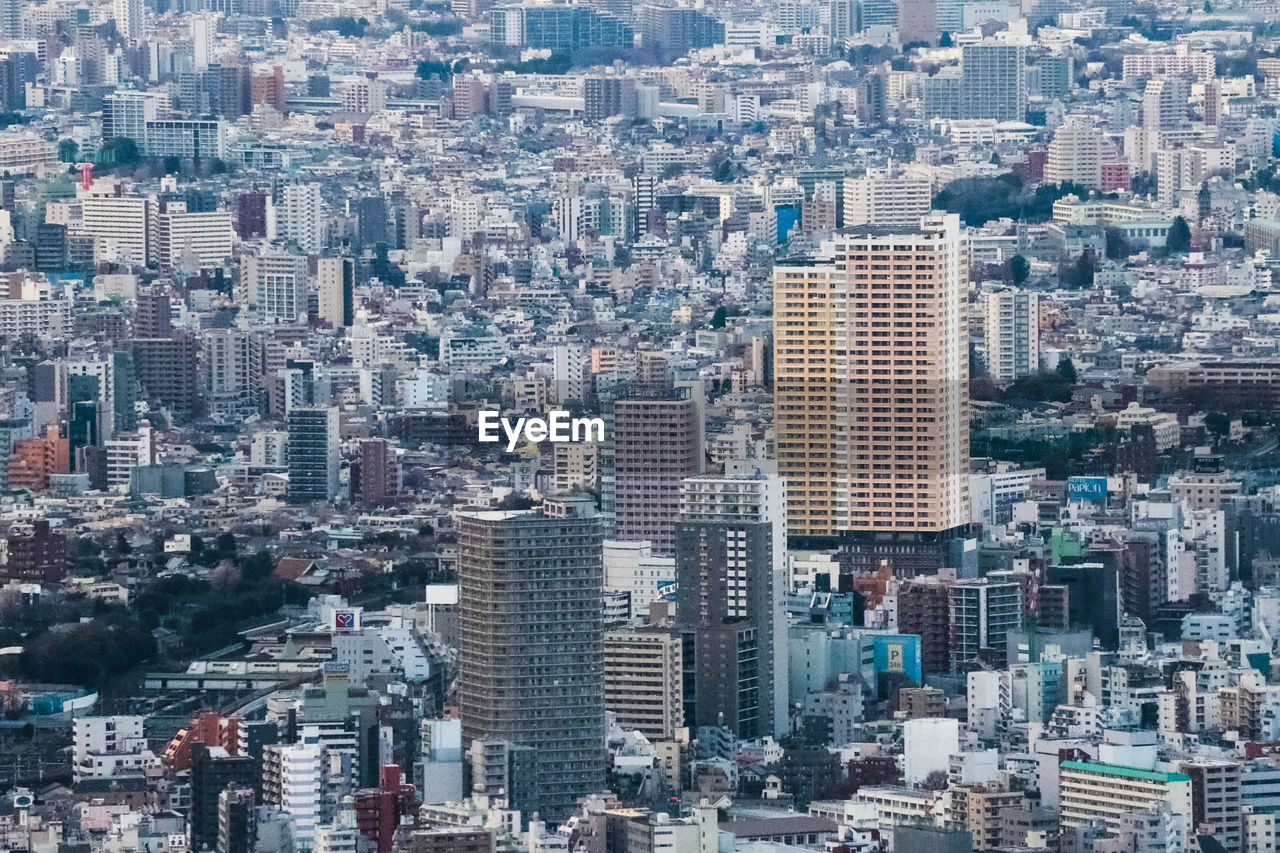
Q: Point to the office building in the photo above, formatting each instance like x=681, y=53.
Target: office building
x=877, y=442
x=313, y=454
x=531, y=648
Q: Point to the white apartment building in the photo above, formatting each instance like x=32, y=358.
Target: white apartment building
x=277, y=286
x=882, y=200
x=1011, y=320
x=127, y=451
x=1075, y=154
x=125, y=113
x=292, y=779
x=109, y=746
x=268, y=449
x=299, y=216
x=1094, y=790
x=203, y=238
x=120, y=225
x=26, y=153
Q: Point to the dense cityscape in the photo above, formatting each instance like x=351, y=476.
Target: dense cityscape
x=639, y=426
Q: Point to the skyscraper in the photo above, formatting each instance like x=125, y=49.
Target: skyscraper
x=731, y=596
x=658, y=443
x=871, y=388
x=993, y=80
x=313, y=454
x=531, y=647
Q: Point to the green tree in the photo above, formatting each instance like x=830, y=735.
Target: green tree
x=1118, y=245
x=1066, y=369
x=1019, y=269
x=1179, y=239
x=719, y=317
x=1078, y=275
x=68, y=151
x=118, y=151
x=1218, y=423
x=225, y=543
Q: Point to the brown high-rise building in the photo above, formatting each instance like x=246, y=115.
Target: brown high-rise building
x=376, y=481
x=643, y=682
x=251, y=214
x=657, y=444
x=531, y=646
x=470, y=96
x=168, y=370
x=153, y=317
x=36, y=554
x=871, y=386
x=268, y=88
x=924, y=608
x=34, y=459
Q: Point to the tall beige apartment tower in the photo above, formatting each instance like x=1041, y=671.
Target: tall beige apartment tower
x=871, y=390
